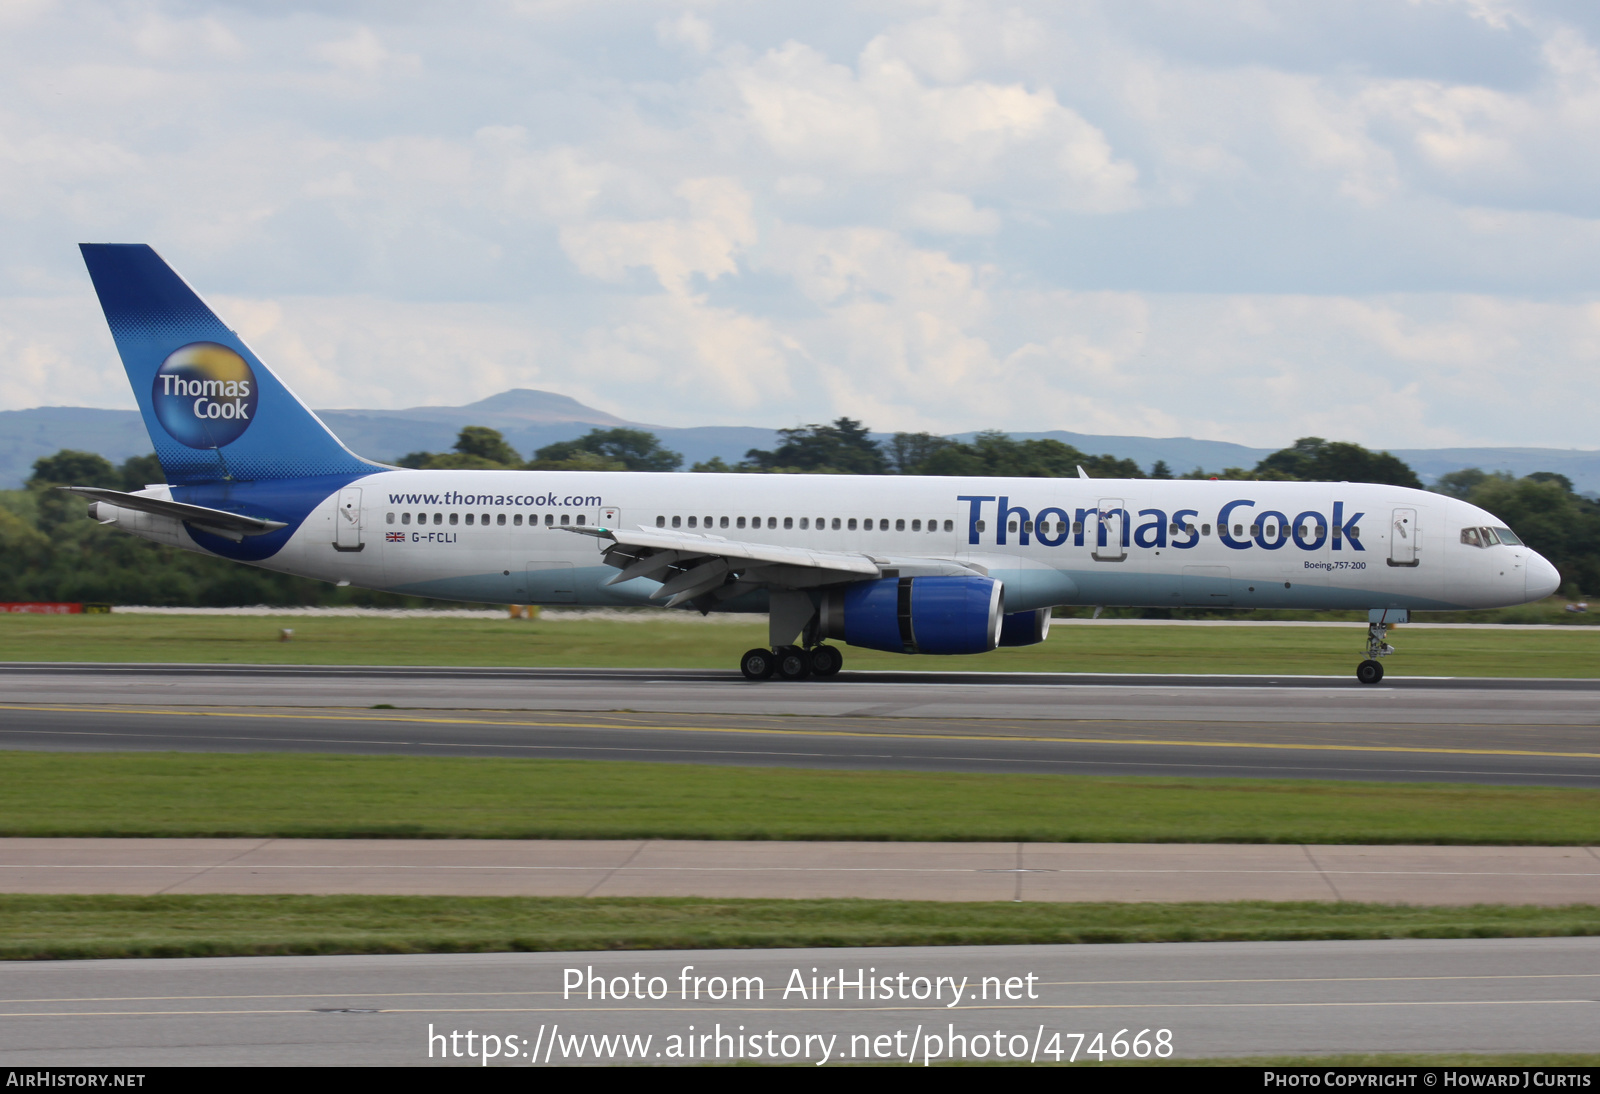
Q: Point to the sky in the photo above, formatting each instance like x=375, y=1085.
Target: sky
x=1243, y=220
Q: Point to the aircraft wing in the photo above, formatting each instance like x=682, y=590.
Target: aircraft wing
x=692, y=566
x=234, y=526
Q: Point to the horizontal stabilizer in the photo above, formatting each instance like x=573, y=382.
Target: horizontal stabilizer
x=219, y=521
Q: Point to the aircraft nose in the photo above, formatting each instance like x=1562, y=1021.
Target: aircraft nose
x=1543, y=578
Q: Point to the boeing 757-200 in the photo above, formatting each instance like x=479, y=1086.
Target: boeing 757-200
x=912, y=565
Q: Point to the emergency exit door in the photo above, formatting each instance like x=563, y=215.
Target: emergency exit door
x=347, y=520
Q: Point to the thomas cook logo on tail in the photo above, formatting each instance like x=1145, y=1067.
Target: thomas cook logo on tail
x=205, y=395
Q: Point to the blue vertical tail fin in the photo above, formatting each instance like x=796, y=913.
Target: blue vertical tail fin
x=215, y=413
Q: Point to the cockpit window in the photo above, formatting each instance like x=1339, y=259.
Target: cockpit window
x=1508, y=536
x=1489, y=538
x=1471, y=538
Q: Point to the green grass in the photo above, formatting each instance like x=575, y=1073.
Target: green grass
x=315, y=796
x=652, y=642
x=56, y=927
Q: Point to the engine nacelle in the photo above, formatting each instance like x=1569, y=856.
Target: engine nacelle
x=916, y=614
x=162, y=529
x=1025, y=628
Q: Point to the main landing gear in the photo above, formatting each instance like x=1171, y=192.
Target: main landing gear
x=1370, y=671
x=791, y=663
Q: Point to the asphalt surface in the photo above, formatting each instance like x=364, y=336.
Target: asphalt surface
x=1192, y=999
x=806, y=869
x=1530, y=732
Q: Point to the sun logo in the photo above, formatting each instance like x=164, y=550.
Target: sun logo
x=205, y=395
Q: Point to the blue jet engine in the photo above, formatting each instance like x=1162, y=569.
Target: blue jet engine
x=1025, y=628
x=916, y=614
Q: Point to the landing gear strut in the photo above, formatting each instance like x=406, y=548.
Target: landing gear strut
x=1370, y=671
x=791, y=663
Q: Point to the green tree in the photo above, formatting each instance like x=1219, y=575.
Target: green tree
x=477, y=448
x=1160, y=470
x=1312, y=459
x=1460, y=484
x=630, y=449
x=70, y=467
x=841, y=447
x=137, y=472
x=909, y=453
x=487, y=444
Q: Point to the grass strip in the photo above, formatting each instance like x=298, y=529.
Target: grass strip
x=338, y=797
x=654, y=642
x=68, y=927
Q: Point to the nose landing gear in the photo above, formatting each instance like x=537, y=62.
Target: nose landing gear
x=1370, y=671
x=791, y=663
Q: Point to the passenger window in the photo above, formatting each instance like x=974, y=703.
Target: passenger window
x=1188, y=529
x=867, y=524
x=722, y=522
x=517, y=520
x=788, y=523
x=899, y=526
x=1012, y=526
x=405, y=518
x=438, y=518
x=836, y=524
x=485, y=519
x=550, y=519
x=805, y=522
x=1355, y=533
x=1077, y=527
x=772, y=523
x=677, y=522
x=455, y=518
x=692, y=523
x=981, y=525
x=852, y=525
x=580, y=518
x=470, y=519
x=916, y=526
x=499, y=520
x=1205, y=529
x=741, y=522
x=949, y=526
x=389, y=519
x=566, y=519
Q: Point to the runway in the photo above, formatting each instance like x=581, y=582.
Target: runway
x=806, y=869
x=1529, y=732
x=1043, y=1004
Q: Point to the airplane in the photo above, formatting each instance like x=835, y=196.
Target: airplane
x=915, y=565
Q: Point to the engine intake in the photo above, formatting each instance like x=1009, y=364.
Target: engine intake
x=916, y=614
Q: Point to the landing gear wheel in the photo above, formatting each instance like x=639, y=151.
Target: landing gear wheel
x=826, y=661
x=793, y=663
x=1369, y=671
x=758, y=664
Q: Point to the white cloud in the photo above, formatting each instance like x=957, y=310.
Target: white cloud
x=929, y=216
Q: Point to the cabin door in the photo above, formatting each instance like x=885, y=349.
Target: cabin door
x=1403, y=538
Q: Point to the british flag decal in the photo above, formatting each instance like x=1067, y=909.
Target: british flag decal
x=395, y=537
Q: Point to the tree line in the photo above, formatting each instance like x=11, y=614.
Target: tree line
x=49, y=551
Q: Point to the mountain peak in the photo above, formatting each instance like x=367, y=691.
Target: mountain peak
x=531, y=405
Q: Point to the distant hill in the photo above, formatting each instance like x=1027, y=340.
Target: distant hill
x=532, y=419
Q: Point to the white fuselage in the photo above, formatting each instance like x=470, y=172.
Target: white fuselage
x=498, y=537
